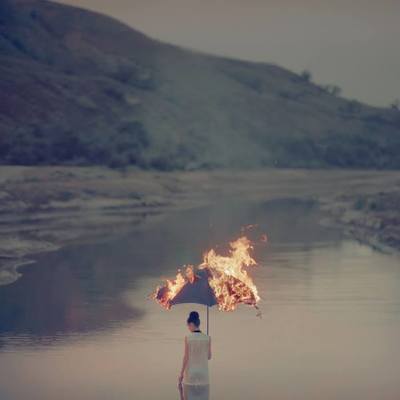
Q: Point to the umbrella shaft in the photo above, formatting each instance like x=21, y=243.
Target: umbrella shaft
x=207, y=319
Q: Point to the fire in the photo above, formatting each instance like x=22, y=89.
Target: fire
x=165, y=294
x=227, y=277
x=230, y=281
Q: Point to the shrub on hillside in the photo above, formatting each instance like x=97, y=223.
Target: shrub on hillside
x=306, y=75
x=36, y=146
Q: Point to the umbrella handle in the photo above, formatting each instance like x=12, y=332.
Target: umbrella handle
x=207, y=319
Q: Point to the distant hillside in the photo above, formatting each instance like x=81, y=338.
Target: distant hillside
x=77, y=87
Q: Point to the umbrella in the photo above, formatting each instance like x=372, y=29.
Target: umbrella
x=219, y=279
x=196, y=290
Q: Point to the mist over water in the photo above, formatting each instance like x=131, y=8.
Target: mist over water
x=79, y=324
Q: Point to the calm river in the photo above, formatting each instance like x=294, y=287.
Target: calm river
x=78, y=325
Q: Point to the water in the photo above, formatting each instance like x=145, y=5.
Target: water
x=78, y=324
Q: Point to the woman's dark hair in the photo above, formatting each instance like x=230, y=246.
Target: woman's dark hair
x=194, y=318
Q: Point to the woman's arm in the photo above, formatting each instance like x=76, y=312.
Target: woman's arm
x=209, y=348
x=184, y=362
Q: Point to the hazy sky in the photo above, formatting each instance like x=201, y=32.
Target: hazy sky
x=354, y=44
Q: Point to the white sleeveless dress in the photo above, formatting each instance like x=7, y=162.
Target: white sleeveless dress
x=196, y=372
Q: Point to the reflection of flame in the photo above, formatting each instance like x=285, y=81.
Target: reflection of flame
x=228, y=279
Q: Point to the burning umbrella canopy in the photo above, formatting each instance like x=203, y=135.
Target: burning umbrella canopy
x=219, y=280
x=193, y=287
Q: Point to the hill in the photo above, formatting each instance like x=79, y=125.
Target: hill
x=78, y=87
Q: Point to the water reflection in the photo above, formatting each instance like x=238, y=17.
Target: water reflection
x=330, y=326
x=194, y=392
x=80, y=289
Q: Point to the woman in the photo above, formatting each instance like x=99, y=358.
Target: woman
x=194, y=372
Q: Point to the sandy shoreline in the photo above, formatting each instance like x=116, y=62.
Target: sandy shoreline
x=45, y=208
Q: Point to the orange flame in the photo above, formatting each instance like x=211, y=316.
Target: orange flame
x=227, y=277
x=229, y=280
x=172, y=287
